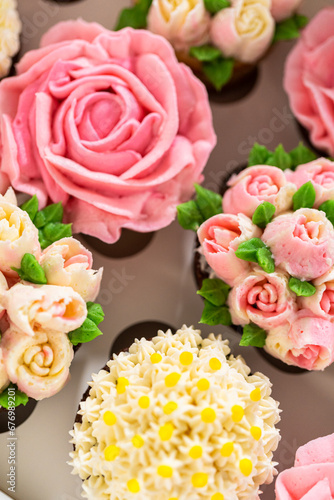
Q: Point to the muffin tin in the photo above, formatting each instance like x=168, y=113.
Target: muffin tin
x=157, y=284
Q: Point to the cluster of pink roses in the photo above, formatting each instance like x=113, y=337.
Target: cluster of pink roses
x=35, y=349
x=300, y=330
x=244, y=30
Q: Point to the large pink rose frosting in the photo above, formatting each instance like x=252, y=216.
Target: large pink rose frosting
x=302, y=243
x=306, y=341
x=312, y=477
x=308, y=80
x=109, y=123
x=257, y=184
x=220, y=237
x=321, y=173
x=262, y=298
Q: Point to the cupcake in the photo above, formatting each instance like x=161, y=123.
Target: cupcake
x=47, y=293
x=222, y=41
x=266, y=255
x=312, y=476
x=123, y=130
x=308, y=81
x=10, y=28
x=177, y=416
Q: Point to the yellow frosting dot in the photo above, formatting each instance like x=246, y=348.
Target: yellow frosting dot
x=170, y=407
x=144, y=402
x=246, y=466
x=199, y=479
x=133, y=486
x=256, y=432
x=111, y=453
x=255, y=395
x=237, y=413
x=203, y=384
x=109, y=418
x=217, y=496
x=166, y=432
x=186, y=358
x=137, y=441
x=165, y=471
x=215, y=364
x=208, y=415
x=227, y=449
x=122, y=383
x=156, y=358
x=196, y=452
x=174, y=498
x=172, y=379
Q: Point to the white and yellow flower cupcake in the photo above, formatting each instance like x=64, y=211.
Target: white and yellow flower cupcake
x=10, y=28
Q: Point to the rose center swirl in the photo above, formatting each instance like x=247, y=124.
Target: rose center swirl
x=38, y=359
x=221, y=237
x=250, y=22
x=264, y=297
x=309, y=230
x=262, y=185
x=327, y=301
x=10, y=226
x=325, y=179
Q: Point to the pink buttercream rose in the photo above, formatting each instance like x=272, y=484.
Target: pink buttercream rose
x=257, y=184
x=321, y=173
x=322, y=302
x=109, y=124
x=308, y=80
x=262, y=298
x=184, y=23
x=245, y=30
x=68, y=263
x=307, y=342
x=282, y=9
x=220, y=237
x=44, y=307
x=302, y=243
x=39, y=365
x=312, y=477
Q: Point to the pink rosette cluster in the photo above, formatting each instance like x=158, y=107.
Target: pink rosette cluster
x=35, y=349
x=312, y=477
x=108, y=123
x=308, y=80
x=220, y=237
x=257, y=184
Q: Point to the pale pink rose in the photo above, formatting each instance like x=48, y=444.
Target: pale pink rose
x=44, y=307
x=68, y=263
x=184, y=23
x=312, y=477
x=245, y=30
x=282, y=9
x=220, y=237
x=257, y=184
x=3, y=289
x=321, y=173
x=39, y=365
x=262, y=298
x=4, y=380
x=121, y=133
x=322, y=302
x=302, y=243
x=18, y=236
x=308, y=342
x=308, y=80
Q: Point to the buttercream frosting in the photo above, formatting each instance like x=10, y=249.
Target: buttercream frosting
x=10, y=28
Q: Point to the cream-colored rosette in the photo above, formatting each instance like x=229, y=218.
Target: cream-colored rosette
x=10, y=28
x=178, y=418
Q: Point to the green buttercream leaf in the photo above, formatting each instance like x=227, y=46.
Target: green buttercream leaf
x=95, y=312
x=280, y=158
x=215, y=291
x=304, y=197
x=302, y=288
x=88, y=331
x=263, y=214
x=31, y=207
x=265, y=260
x=248, y=249
x=215, y=315
x=301, y=21
x=6, y=400
x=31, y=270
x=205, y=53
x=328, y=208
x=301, y=155
x=258, y=155
x=51, y=213
x=189, y=216
x=194, y=212
x=55, y=231
x=253, y=335
x=218, y=71
x=214, y=6
x=134, y=17
x=289, y=28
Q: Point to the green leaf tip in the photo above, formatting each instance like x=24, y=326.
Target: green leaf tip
x=31, y=270
x=253, y=335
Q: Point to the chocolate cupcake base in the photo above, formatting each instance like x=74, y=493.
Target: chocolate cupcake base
x=13, y=418
x=130, y=243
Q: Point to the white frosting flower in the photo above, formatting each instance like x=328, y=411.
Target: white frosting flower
x=47, y=307
x=10, y=28
x=245, y=30
x=68, y=263
x=176, y=417
x=39, y=365
x=183, y=22
x=18, y=235
x=4, y=380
